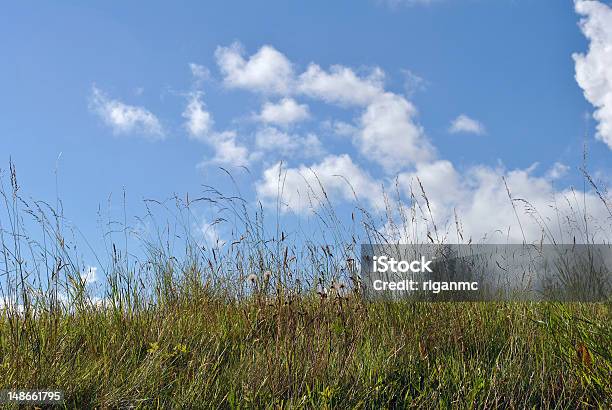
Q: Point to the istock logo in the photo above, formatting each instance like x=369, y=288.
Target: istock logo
x=383, y=264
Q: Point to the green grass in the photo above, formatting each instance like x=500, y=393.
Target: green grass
x=211, y=352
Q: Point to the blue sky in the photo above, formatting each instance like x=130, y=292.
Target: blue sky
x=460, y=93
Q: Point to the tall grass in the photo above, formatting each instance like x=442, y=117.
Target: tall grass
x=270, y=319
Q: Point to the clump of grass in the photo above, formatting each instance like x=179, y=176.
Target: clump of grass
x=271, y=321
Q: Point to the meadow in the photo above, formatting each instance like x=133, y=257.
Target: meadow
x=268, y=321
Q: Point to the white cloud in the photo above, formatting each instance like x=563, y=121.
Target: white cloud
x=100, y=302
x=340, y=128
x=389, y=135
x=267, y=71
x=479, y=199
x=441, y=183
x=413, y=82
x=558, y=170
x=303, y=189
x=10, y=304
x=386, y=133
x=311, y=146
x=208, y=232
x=594, y=69
x=199, y=73
x=198, y=121
x=465, y=124
x=90, y=275
x=124, y=118
x=271, y=138
x=200, y=126
x=287, y=111
x=341, y=85
x=274, y=140
x=228, y=150
x=547, y=210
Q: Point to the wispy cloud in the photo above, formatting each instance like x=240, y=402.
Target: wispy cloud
x=199, y=74
x=558, y=170
x=199, y=123
x=467, y=125
x=125, y=119
x=413, y=82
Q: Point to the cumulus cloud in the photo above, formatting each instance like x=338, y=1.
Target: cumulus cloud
x=497, y=206
x=594, y=69
x=287, y=111
x=267, y=71
x=389, y=135
x=465, y=124
x=340, y=85
x=303, y=189
x=123, y=118
x=440, y=181
x=542, y=210
x=198, y=121
x=386, y=132
x=270, y=71
x=228, y=151
x=493, y=203
x=274, y=140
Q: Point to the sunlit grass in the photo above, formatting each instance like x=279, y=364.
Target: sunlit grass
x=314, y=352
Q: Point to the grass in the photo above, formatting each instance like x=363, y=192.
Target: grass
x=212, y=352
x=195, y=329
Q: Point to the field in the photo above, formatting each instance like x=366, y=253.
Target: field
x=254, y=327
x=204, y=349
